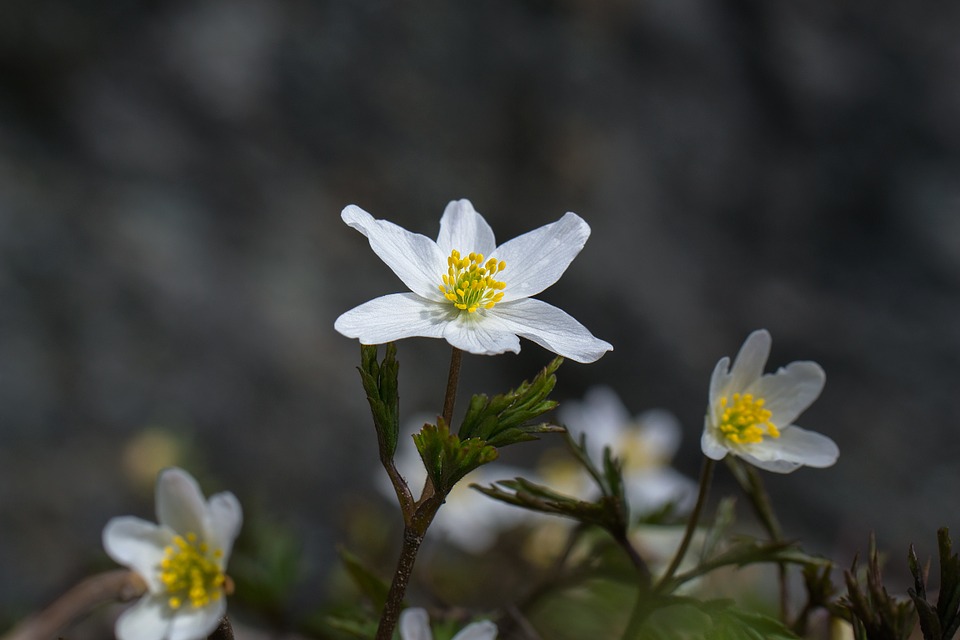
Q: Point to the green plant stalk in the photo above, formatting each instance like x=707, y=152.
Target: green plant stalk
x=415, y=525
x=752, y=484
x=644, y=598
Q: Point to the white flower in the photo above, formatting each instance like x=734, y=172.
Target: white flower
x=415, y=625
x=470, y=292
x=751, y=415
x=468, y=519
x=181, y=559
x=645, y=445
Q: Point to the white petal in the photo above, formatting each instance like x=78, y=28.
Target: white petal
x=148, y=619
x=537, y=259
x=748, y=366
x=719, y=381
x=226, y=517
x=137, y=544
x=789, y=391
x=415, y=258
x=549, y=327
x=197, y=624
x=415, y=625
x=475, y=333
x=393, y=317
x=180, y=503
x=465, y=230
x=794, y=448
x=711, y=446
x=485, y=630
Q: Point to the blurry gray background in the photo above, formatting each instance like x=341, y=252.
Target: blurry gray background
x=172, y=258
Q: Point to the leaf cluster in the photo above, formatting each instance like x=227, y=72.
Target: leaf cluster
x=874, y=614
x=503, y=419
x=940, y=621
x=608, y=511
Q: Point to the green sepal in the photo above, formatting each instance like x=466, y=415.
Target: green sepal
x=380, y=382
x=447, y=458
x=372, y=586
x=501, y=420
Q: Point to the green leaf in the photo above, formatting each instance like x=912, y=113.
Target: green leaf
x=606, y=512
x=380, y=382
x=447, y=458
x=372, y=586
x=502, y=420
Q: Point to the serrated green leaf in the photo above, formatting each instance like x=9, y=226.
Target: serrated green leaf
x=502, y=420
x=447, y=458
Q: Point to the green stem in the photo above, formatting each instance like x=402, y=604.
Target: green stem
x=752, y=484
x=706, y=475
x=416, y=524
x=642, y=608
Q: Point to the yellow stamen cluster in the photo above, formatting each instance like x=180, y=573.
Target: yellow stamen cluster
x=743, y=420
x=469, y=282
x=191, y=573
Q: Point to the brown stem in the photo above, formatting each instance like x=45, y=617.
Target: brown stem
x=401, y=578
x=453, y=378
x=118, y=585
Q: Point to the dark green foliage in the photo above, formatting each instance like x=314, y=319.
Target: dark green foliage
x=501, y=420
x=447, y=457
x=608, y=511
x=380, y=383
x=874, y=614
x=938, y=622
x=372, y=586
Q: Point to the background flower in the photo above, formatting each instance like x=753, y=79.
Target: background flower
x=415, y=625
x=645, y=444
x=182, y=559
x=751, y=414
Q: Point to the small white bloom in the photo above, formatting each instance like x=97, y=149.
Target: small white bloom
x=182, y=560
x=470, y=292
x=751, y=414
x=415, y=625
x=468, y=519
x=645, y=445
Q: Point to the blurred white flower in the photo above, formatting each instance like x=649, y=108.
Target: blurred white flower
x=415, y=625
x=460, y=292
x=751, y=415
x=645, y=445
x=182, y=560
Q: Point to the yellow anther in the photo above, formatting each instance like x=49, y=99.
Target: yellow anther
x=469, y=282
x=190, y=573
x=743, y=420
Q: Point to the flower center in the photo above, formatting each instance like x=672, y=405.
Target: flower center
x=743, y=420
x=190, y=572
x=469, y=283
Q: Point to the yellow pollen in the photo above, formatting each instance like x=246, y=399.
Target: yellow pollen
x=190, y=573
x=469, y=282
x=743, y=420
